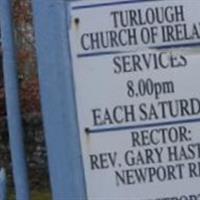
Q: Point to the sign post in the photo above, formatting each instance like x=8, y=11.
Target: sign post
x=136, y=73
x=58, y=105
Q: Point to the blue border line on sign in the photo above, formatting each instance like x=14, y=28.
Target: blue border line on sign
x=170, y=46
x=101, y=53
x=140, y=126
x=176, y=46
x=110, y=4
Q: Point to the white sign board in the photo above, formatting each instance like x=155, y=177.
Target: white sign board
x=137, y=86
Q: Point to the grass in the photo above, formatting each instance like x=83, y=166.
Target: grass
x=35, y=195
x=41, y=195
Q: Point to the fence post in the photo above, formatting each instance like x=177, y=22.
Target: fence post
x=12, y=102
x=58, y=103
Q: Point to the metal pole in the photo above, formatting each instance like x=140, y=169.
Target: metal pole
x=12, y=102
